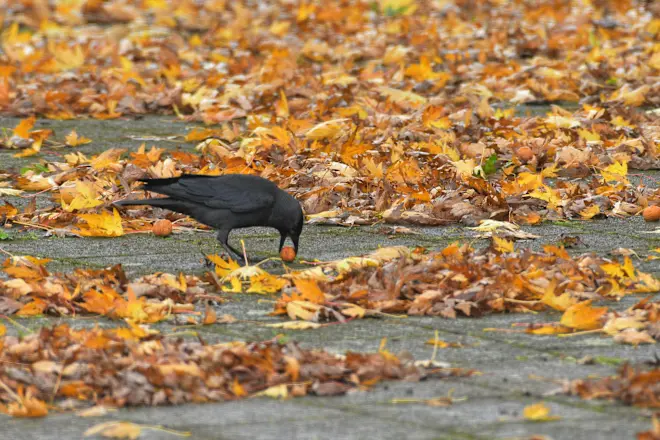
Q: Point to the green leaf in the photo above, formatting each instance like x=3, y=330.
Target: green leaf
x=4, y=235
x=606, y=360
x=489, y=165
x=37, y=167
x=282, y=339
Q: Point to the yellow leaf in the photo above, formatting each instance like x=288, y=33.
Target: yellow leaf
x=282, y=105
x=550, y=171
x=295, y=325
x=589, y=212
x=548, y=329
x=561, y=302
x=547, y=194
x=238, y=389
x=628, y=268
x=647, y=283
x=438, y=343
x=84, y=197
x=502, y=245
x=23, y=128
x=402, y=97
x=325, y=214
x=582, y=316
x=190, y=369
x=210, y=316
x=73, y=140
x=562, y=121
x=95, y=411
x=309, y=290
x=280, y=391
x=35, y=307
x=613, y=269
x=504, y=113
x=107, y=159
x=326, y=130
x=589, y=136
x=616, y=325
x=395, y=54
x=223, y=267
x=353, y=311
x=424, y=71
x=10, y=192
x=405, y=7
x=101, y=225
x=465, y=167
x=443, y=344
x=247, y=272
x=27, y=406
x=618, y=121
x=235, y=286
x=529, y=181
x=634, y=97
x=384, y=352
x=490, y=225
x=280, y=28
x=538, y=412
x=373, y=170
x=3, y=330
x=616, y=172
x=118, y=430
x=303, y=310
x=28, y=152
x=266, y=283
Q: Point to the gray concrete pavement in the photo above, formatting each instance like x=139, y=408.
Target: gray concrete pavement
x=517, y=369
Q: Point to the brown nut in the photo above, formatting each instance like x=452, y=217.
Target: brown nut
x=651, y=213
x=162, y=228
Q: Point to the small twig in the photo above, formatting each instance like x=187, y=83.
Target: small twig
x=247, y=263
x=57, y=386
x=33, y=195
x=183, y=333
x=16, y=324
x=7, y=253
x=586, y=332
x=520, y=301
x=46, y=228
x=267, y=259
x=10, y=392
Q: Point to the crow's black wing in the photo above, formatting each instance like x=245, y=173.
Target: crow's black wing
x=237, y=193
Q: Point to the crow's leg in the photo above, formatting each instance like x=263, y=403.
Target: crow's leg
x=223, y=238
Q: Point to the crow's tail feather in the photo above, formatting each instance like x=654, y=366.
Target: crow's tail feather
x=162, y=202
x=154, y=184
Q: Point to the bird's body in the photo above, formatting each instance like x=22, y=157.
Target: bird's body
x=228, y=202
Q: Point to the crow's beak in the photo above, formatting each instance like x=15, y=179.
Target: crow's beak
x=295, y=239
x=282, y=240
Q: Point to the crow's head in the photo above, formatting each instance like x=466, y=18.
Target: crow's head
x=293, y=229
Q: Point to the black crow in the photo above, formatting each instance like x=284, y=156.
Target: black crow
x=228, y=202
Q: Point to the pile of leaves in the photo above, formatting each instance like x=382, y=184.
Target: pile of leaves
x=461, y=281
x=32, y=290
x=456, y=281
x=221, y=61
x=132, y=367
x=632, y=386
x=391, y=110
x=398, y=185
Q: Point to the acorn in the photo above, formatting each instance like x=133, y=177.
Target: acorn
x=651, y=213
x=525, y=154
x=288, y=254
x=162, y=228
